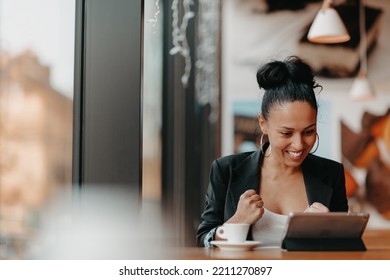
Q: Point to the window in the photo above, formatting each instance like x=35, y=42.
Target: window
x=36, y=114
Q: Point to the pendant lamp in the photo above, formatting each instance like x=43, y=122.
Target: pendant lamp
x=327, y=27
x=362, y=89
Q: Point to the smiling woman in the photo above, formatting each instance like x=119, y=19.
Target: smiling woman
x=261, y=188
x=292, y=128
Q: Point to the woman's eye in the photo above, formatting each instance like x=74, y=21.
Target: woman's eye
x=286, y=134
x=309, y=132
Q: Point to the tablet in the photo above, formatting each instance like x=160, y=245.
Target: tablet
x=325, y=231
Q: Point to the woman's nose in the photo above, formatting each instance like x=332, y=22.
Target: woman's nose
x=297, y=142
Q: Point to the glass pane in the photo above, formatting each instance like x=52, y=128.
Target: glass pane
x=36, y=91
x=152, y=102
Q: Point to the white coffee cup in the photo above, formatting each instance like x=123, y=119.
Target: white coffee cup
x=234, y=233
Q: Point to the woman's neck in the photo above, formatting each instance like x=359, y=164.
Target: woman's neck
x=275, y=168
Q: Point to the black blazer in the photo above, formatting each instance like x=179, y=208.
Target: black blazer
x=230, y=176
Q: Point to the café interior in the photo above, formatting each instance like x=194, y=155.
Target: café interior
x=111, y=113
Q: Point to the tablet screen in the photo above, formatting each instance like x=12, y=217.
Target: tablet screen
x=326, y=225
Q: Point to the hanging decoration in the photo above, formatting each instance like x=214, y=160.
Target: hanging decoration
x=179, y=36
x=154, y=20
x=206, y=65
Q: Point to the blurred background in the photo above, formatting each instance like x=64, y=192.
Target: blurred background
x=111, y=113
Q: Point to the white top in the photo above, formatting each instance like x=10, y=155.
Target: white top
x=270, y=229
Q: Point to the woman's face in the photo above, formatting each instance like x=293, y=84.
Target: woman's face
x=291, y=129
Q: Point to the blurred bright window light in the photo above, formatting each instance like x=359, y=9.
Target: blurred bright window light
x=36, y=114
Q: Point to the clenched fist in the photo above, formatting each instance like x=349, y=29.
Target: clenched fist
x=249, y=209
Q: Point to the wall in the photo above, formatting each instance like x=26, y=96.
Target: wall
x=251, y=38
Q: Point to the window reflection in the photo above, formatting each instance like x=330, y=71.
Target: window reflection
x=36, y=81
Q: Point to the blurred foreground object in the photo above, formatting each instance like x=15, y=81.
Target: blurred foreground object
x=100, y=222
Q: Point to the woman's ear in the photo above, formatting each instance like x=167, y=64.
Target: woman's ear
x=262, y=123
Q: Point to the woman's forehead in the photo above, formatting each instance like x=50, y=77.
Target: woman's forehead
x=292, y=112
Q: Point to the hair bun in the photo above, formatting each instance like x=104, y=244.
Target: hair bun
x=272, y=75
x=286, y=81
x=277, y=73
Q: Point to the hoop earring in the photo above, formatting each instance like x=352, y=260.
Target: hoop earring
x=318, y=143
x=261, y=147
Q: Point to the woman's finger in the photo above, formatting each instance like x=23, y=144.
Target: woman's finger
x=317, y=207
x=259, y=204
x=248, y=193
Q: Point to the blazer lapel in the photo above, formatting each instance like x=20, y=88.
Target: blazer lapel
x=245, y=177
x=316, y=189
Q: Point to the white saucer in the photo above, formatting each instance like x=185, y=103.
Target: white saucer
x=226, y=246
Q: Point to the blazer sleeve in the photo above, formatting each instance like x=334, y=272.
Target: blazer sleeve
x=213, y=215
x=339, y=202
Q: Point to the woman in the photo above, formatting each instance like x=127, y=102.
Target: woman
x=260, y=188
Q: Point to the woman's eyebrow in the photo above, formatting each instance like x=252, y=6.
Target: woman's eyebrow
x=289, y=128
x=314, y=124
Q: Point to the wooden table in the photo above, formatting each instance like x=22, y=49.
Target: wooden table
x=376, y=241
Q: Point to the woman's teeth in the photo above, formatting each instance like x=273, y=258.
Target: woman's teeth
x=295, y=154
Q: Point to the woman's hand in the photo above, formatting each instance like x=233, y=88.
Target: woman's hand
x=317, y=207
x=249, y=209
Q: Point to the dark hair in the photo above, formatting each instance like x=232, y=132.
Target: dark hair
x=286, y=81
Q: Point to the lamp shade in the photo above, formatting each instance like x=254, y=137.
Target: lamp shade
x=328, y=28
x=362, y=89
